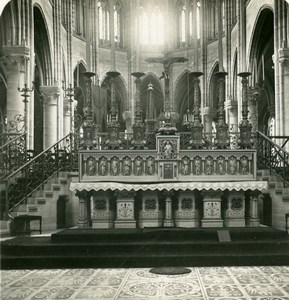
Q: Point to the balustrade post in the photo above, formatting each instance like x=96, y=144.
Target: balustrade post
x=245, y=126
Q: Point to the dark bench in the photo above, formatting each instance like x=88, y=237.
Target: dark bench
x=24, y=221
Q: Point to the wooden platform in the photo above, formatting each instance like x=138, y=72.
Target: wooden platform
x=148, y=247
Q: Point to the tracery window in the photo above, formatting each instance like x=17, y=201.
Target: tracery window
x=118, y=25
x=103, y=25
x=80, y=17
x=151, y=25
x=187, y=19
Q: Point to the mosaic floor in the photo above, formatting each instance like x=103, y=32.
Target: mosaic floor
x=202, y=283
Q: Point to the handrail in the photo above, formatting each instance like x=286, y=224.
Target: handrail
x=272, y=157
x=13, y=154
x=13, y=140
x=33, y=174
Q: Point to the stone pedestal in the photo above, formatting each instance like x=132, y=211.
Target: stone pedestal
x=186, y=215
x=254, y=220
x=84, y=203
x=235, y=213
x=150, y=215
x=102, y=216
x=212, y=209
x=125, y=210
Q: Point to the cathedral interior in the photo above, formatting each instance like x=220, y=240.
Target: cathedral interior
x=143, y=119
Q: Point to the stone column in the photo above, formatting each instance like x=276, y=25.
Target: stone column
x=168, y=222
x=212, y=209
x=235, y=212
x=16, y=59
x=284, y=90
x=254, y=220
x=84, y=202
x=50, y=100
x=125, y=210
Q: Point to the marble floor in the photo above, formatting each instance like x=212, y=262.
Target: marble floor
x=258, y=283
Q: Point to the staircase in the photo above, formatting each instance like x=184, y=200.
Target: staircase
x=279, y=195
x=35, y=187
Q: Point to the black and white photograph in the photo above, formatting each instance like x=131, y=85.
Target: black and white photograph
x=144, y=149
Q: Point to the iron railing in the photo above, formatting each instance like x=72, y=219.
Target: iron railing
x=62, y=156
x=273, y=157
x=13, y=154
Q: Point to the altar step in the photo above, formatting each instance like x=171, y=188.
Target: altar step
x=146, y=248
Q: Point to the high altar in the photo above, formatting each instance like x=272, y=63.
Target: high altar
x=162, y=178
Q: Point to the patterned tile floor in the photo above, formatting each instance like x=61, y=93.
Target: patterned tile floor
x=202, y=283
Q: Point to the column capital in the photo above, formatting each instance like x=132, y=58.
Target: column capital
x=14, y=55
x=209, y=112
x=283, y=57
x=231, y=104
x=50, y=94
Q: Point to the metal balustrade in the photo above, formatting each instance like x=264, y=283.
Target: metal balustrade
x=19, y=185
x=13, y=153
x=273, y=157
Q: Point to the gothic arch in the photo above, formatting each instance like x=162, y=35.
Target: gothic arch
x=121, y=97
x=79, y=85
x=42, y=45
x=184, y=95
x=261, y=64
x=213, y=88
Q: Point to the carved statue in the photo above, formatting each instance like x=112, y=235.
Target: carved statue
x=138, y=166
x=126, y=167
x=209, y=166
x=233, y=166
x=197, y=164
x=186, y=169
x=244, y=165
x=150, y=166
x=114, y=166
x=102, y=167
x=168, y=150
x=221, y=166
x=91, y=169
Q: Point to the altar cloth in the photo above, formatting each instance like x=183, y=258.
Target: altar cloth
x=224, y=185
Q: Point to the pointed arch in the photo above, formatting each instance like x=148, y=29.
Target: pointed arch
x=121, y=97
x=261, y=64
x=42, y=46
x=184, y=93
x=213, y=88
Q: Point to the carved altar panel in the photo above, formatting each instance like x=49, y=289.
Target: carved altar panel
x=151, y=166
x=168, y=147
